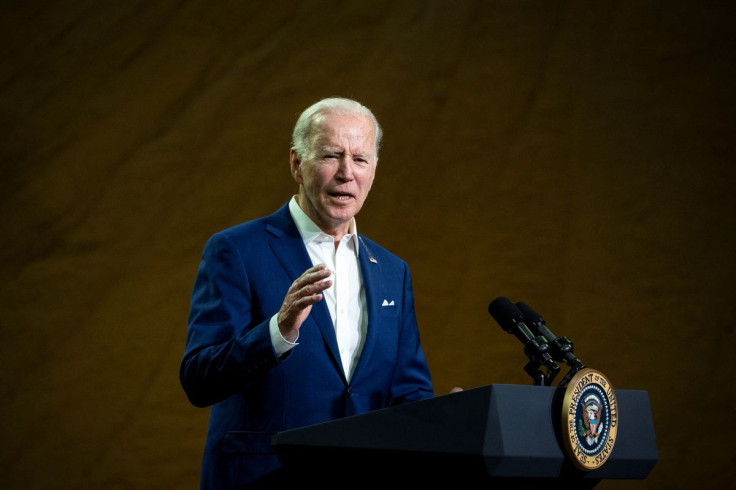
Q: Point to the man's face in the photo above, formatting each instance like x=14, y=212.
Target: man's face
x=338, y=172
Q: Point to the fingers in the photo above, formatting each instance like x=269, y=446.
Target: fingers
x=305, y=291
x=309, y=286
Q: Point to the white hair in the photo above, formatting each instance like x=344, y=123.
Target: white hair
x=306, y=129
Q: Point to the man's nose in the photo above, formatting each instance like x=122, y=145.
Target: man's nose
x=345, y=169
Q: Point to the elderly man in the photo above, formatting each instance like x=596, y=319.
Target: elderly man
x=296, y=318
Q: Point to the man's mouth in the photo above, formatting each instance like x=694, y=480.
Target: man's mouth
x=341, y=196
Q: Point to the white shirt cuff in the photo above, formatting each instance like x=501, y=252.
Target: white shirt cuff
x=280, y=344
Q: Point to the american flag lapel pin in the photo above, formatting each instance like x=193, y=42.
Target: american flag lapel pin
x=370, y=255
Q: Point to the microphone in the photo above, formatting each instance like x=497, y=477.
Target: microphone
x=562, y=347
x=510, y=319
x=536, y=348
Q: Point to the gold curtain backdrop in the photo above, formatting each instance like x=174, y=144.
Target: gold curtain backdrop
x=575, y=155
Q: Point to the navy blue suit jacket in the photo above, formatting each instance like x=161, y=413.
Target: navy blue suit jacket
x=230, y=364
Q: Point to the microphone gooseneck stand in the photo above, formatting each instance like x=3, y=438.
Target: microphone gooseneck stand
x=543, y=348
x=538, y=352
x=536, y=348
x=561, y=348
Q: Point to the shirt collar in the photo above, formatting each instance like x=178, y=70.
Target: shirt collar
x=309, y=231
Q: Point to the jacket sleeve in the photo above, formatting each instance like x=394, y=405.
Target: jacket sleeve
x=225, y=348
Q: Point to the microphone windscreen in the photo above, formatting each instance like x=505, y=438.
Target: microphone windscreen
x=505, y=313
x=528, y=313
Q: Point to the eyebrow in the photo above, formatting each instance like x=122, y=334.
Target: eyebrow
x=340, y=151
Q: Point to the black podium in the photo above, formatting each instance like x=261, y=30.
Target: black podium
x=492, y=436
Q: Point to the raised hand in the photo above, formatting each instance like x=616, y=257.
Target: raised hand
x=305, y=291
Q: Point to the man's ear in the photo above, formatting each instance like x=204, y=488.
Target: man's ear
x=295, y=164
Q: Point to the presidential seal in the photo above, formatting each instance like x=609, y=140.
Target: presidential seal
x=589, y=419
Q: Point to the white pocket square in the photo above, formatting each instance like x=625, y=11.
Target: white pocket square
x=386, y=303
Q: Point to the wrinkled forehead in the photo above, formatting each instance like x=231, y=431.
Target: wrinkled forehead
x=356, y=130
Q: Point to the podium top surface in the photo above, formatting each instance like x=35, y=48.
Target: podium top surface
x=494, y=431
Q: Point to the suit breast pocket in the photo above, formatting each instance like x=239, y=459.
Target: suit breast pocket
x=389, y=310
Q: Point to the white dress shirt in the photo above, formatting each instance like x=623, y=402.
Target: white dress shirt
x=345, y=298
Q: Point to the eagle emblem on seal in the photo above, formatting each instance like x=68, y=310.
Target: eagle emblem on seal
x=591, y=408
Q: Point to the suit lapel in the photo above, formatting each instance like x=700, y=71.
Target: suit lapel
x=371, y=271
x=288, y=247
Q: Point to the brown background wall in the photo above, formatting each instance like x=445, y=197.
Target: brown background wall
x=576, y=155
